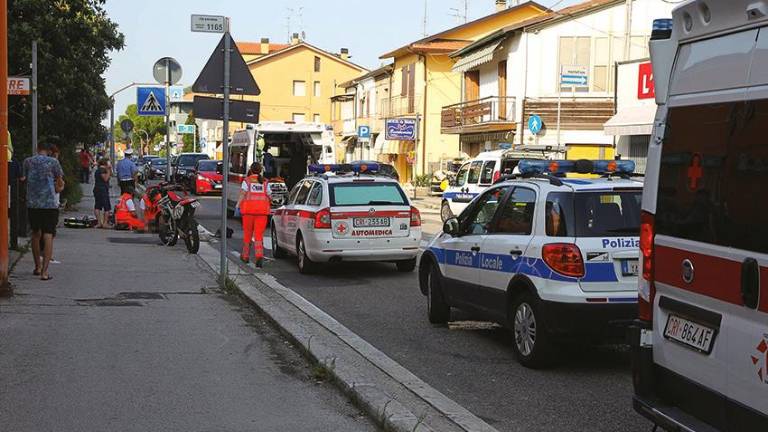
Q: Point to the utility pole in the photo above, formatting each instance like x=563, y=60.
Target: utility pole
x=34, y=97
x=5, y=288
x=223, y=268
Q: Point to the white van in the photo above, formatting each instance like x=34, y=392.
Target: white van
x=700, y=346
x=476, y=175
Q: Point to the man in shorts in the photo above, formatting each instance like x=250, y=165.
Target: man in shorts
x=45, y=179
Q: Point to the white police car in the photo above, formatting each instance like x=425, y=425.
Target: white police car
x=546, y=255
x=347, y=213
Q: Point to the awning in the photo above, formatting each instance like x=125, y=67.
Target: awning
x=636, y=120
x=379, y=142
x=476, y=58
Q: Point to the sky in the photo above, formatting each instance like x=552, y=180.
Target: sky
x=155, y=29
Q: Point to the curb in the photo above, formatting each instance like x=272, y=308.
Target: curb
x=391, y=395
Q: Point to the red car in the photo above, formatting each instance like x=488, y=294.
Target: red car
x=207, y=177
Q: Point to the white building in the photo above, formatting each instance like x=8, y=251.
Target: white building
x=515, y=73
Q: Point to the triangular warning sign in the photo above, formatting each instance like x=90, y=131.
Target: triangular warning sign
x=211, y=78
x=151, y=104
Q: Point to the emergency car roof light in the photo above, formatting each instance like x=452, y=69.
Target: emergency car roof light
x=529, y=167
x=343, y=168
x=322, y=169
x=364, y=168
x=613, y=167
x=662, y=29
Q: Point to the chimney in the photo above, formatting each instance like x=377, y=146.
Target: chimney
x=295, y=39
x=501, y=5
x=344, y=54
x=264, y=46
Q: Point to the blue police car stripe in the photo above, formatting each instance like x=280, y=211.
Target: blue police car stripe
x=576, y=182
x=594, y=272
x=451, y=195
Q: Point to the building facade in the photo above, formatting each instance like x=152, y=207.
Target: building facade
x=423, y=82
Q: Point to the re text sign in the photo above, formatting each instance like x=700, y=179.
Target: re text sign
x=18, y=86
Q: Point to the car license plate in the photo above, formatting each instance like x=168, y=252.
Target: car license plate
x=366, y=222
x=689, y=333
x=629, y=267
x=195, y=204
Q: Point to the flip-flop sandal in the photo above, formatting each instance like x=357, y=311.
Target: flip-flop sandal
x=46, y=278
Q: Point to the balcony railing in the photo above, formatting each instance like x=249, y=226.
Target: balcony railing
x=489, y=114
x=397, y=106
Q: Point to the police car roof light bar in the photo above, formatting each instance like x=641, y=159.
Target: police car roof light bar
x=559, y=168
x=343, y=168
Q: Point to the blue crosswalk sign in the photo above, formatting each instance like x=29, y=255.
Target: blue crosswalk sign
x=150, y=101
x=535, y=124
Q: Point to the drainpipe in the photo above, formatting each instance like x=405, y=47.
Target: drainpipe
x=525, y=91
x=615, y=97
x=424, y=116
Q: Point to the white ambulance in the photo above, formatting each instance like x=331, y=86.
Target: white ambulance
x=700, y=347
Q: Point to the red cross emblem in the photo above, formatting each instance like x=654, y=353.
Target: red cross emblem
x=341, y=228
x=695, y=172
x=761, y=360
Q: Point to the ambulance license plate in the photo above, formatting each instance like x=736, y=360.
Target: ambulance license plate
x=629, y=267
x=367, y=222
x=689, y=333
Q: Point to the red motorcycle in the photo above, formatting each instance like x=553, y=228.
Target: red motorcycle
x=176, y=218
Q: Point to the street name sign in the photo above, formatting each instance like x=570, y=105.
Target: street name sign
x=212, y=108
x=208, y=23
x=400, y=129
x=150, y=101
x=211, y=78
x=185, y=129
x=18, y=86
x=574, y=76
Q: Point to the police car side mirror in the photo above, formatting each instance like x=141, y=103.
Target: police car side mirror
x=451, y=226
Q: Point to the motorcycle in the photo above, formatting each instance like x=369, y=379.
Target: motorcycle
x=177, y=218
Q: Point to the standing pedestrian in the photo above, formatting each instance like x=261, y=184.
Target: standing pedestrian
x=127, y=172
x=102, y=205
x=86, y=160
x=254, y=204
x=45, y=179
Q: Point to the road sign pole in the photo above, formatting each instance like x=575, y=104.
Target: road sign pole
x=223, y=271
x=34, y=97
x=112, y=131
x=4, y=285
x=167, y=120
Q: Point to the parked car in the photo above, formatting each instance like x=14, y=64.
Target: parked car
x=156, y=168
x=208, y=177
x=184, y=168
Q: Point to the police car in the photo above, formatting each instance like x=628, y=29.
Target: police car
x=700, y=347
x=345, y=213
x=545, y=255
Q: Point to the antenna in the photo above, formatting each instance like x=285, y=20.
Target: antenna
x=460, y=17
x=424, y=24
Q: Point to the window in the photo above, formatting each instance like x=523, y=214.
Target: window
x=516, y=217
x=294, y=193
x=478, y=218
x=593, y=214
x=238, y=160
x=486, y=177
x=316, y=118
x=316, y=195
x=356, y=194
x=317, y=64
x=301, y=197
x=298, y=117
x=316, y=89
x=461, y=176
x=474, y=172
x=404, y=81
x=299, y=88
x=574, y=51
x=472, y=85
x=602, y=66
x=713, y=174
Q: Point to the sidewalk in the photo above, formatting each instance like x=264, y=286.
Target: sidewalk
x=134, y=336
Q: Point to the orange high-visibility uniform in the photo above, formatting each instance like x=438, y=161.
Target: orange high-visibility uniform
x=254, y=209
x=124, y=216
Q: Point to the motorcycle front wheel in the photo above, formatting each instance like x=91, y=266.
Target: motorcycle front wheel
x=192, y=238
x=167, y=232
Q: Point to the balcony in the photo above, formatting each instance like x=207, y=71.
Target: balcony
x=489, y=114
x=580, y=113
x=399, y=106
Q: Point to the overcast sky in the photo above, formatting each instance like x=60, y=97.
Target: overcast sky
x=155, y=29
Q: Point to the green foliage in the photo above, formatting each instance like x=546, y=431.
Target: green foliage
x=423, y=180
x=74, y=40
x=154, y=126
x=189, y=140
x=71, y=165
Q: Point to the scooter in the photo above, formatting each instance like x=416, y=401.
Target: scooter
x=177, y=218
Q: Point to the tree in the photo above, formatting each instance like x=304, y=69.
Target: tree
x=189, y=139
x=153, y=125
x=74, y=40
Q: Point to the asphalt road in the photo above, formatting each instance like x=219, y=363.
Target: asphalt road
x=473, y=362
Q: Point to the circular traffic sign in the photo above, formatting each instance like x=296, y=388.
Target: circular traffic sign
x=163, y=66
x=535, y=124
x=126, y=125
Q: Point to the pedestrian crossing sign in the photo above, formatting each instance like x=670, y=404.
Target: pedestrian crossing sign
x=150, y=101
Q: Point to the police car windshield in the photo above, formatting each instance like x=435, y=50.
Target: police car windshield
x=356, y=194
x=593, y=214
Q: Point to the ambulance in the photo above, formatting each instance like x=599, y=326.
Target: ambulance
x=700, y=344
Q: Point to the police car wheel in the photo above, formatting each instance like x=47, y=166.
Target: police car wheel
x=445, y=211
x=277, y=251
x=530, y=339
x=438, y=311
x=306, y=266
x=406, y=266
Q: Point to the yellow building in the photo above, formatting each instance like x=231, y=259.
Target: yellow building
x=297, y=79
x=423, y=83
